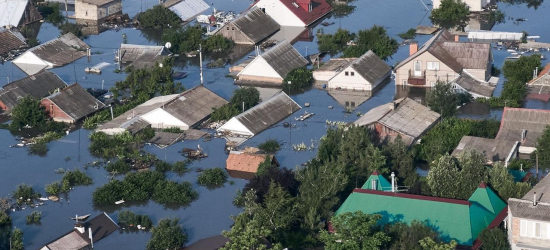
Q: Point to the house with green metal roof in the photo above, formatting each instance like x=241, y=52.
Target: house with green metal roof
x=459, y=220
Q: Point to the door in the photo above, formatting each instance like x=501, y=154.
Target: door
x=417, y=68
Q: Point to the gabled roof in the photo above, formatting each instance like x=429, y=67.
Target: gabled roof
x=72, y=240
x=187, y=9
x=370, y=67
x=382, y=183
x=38, y=86
x=336, y=64
x=456, y=219
x=11, y=12
x=256, y=25
x=319, y=9
x=194, y=105
x=263, y=115
x=516, y=120
x=473, y=85
x=494, y=150
x=97, y=2
x=10, y=40
x=76, y=102
x=542, y=73
x=283, y=58
x=101, y=226
x=246, y=162
x=403, y=115
x=142, y=56
x=524, y=208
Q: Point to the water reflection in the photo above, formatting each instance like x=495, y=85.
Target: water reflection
x=416, y=93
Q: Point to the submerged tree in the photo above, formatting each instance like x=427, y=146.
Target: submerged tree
x=442, y=99
x=451, y=13
x=159, y=17
x=167, y=235
x=354, y=231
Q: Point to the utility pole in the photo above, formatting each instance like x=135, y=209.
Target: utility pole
x=290, y=115
x=537, y=163
x=200, y=61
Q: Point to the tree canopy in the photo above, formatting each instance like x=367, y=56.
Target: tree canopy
x=354, y=231
x=450, y=13
x=28, y=112
x=159, y=17
x=299, y=78
x=168, y=234
x=443, y=99
x=543, y=148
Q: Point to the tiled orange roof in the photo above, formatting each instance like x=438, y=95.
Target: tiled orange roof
x=542, y=72
x=244, y=162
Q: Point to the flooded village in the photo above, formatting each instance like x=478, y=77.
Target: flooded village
x=274, y=124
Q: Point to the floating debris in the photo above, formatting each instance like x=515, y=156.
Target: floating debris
x=305, y=116
x=119, y=202
x=299, y=147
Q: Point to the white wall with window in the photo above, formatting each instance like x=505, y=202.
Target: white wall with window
x=433, y=66
x=534, y=229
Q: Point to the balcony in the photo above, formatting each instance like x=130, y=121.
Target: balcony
x=417, y=80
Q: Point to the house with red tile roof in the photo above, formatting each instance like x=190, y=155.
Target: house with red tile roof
x=539, y=86
x=294, y=12
x=459, y=220
x=246, y=162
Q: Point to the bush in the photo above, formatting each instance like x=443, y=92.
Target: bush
x=164, y=193
x=299, y=78
x=250, y=96
x=34, y=217
x=27, y=112
x=53, y=188
x=224, y=113
x=375, y=39
x=5, y=218
x=16, y=239
x=73, y=28
x=214, y=177
x=180, y=167
x=410, y=34
x=25, y=194
x=39, y=149
x=167, y=235
x=159, y=17
x=270, y=146
x=218, y=43
x=77, y=178
x=118, y=167
x=162, y=166
x=129, y=218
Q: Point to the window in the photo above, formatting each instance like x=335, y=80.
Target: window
x=534, y=229
x=404, y=82
x=433, y=65
x=353, y=104
x=227, y=28
x=232, y=28
x=352, y=73
x=347, y=73
x=347, y=104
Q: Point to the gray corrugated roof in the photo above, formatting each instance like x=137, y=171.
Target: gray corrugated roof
x=62, y=50
x=370, y=67
x=472, y=85
x=256, y=25
x=494, y=150
x=515, y=120
x=194, y=105
x=524, y=208
x=134, y=52
x=283, y=58
x=76, y=102
x=267, y=113
x=38, y=86
x=188, y=9
x=335, y=64
x=10, y=40
x=373, y=115
x=543, y=191
x=72, y=240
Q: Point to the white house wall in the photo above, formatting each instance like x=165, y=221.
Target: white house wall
x=324, y=75
x=159, y=118
x=31, y=63
x=235, y=126
x=280, y=13
x=355, y=82
x=260, y=67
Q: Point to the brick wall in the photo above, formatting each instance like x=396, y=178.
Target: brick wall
x=55, y=112
x=94, y=12
x=3, y=106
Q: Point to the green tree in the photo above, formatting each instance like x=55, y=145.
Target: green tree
x=404, y=236
x=25, y=194
x=401, y=161
x=218, y=43
x=429, y=244
x=503, y=183
x=214, y=177
x=5, y=218
x=299, y=78
x=354, y=231
x=494, y=239
x=443, y=177
x=16, y=239
x=167, y=235
x=410, y=34
x=159, y=17
x=53, y=188
x=250, y=96
x=472, y=173
x=522, y=69
x=442, y=99
x=334, y=43
x=543, y=148
x=188, y=39
x=224, y=113
x=27, y=112
x=450, y=13
x=270, y=146
x=375, y=39
x=75, y=29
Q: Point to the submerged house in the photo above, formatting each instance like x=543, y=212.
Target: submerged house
x=523, y=125
x=187, y=10
x=403, y=117
x=494, y=150
x=260, y=117
x=239, y=164
x=363, y=73
x=71, y=104
x=96, y=9
x=251, y=27
x=294, y=12
x=271, y=67
x=141, y=56
x=329, y=69
x=18, y=13
x=539, y=86
x=466, y=83
x=529, y=219
x=54, y=53
x=183, y=111
x=444, y=58
x=85, y=234
x=459, y=220
x=36, y=86
x=10, y=41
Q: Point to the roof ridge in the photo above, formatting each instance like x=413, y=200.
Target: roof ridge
x=266, y=103
x=413, y=196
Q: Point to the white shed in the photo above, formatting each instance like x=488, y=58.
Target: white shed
x=363, y=73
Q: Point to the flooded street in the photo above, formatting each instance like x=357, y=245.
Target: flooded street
x=210, y=214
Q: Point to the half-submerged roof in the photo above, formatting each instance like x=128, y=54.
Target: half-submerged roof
x=370, y=67
x=72, y=240
x=542, y=73
x=403, y=115
x=529, y=122
x=101, y=226
x=283, y=58
x=76, y=102
x=475, y=86
x=460, y=220
x=37, y=86
x=256, y=25
x=10, y=40
x=494, y=150
x=246, y=162
x=194, y=105
x=98, y=2
x=142, y=56
x=11, y=12
x=524, y=207
x=319, y=8
x=186, y=9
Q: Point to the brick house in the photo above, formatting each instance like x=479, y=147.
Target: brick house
x=71, y=104
x=96, y=9
x=36, y=86
x=403, y=117
x=251, y=27
x=529, y=218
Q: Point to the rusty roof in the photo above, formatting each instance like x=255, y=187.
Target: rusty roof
x=245, y=162
x=11, y=40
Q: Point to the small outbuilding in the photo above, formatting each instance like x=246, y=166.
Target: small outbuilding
x=523, y=125
x=466, y=83
x=329, y=69
x=96, y=9
x=251, y=27
x=71, y=104
x=141, y=56
x=246, y=162
x=37, y=86
x=10, y=41
x=271, y=67
x=54, y=53
x=187, y=10
x=18, y=13
x=494, y=150
x=363, y=73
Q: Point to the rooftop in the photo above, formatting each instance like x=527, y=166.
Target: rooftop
x=524, y=207
x=543, y=72
x=283, y=58
x=11, y=12
x=370, y=67
x=142, y=56
x=37, y=86
x=518, y=121
x=98, y=2
x=493, y=149
x=319, y=9
x=335, y=64
x=473, y=85
x=72, y=240
x=186, y=9
x=256, y=25
x=11, y=40
x=76, y=102
x=245, y=162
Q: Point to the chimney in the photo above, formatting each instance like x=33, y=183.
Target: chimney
x=393, y=182
x=413, y=48
x=534, y=198
x=457, y=38
x=374, y=184
x=523, y=133
x=392, y=105
x=80, y=227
